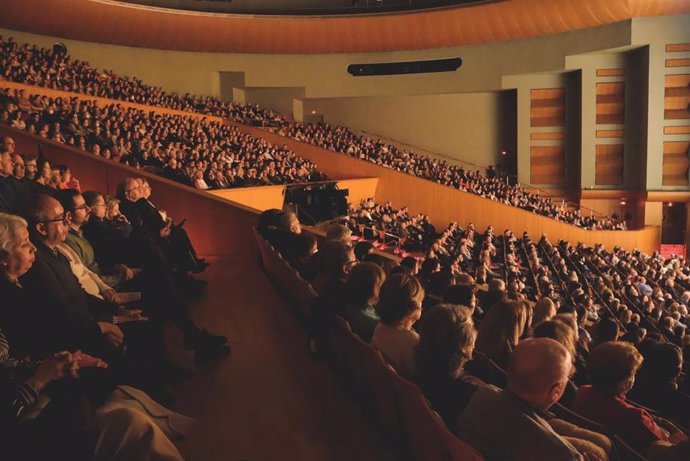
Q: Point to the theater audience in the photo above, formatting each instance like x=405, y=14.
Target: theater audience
x=544, y=310
x=182, y=148
x=537, y=377
x=362, y=289
x=446, y=342
x=612, y=366
x=61, y=429
x=399, y=307
x=38, y=66
x=500, y=332
x=656, y=384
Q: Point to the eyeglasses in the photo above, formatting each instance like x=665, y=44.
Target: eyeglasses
x=63, y=219
x=81, y=207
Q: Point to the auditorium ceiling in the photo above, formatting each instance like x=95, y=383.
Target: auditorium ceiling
x=110, y=21
x=304, y=7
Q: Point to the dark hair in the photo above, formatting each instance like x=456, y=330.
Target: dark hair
x=269, y=219
x=410, y=262
x=606, y=330
x=90, y=197
x=33, y=210
x=439, y=282
x=334, y=256
x=363, y=248
x=429, y=265
x=364, y=282
x=447, y=336
x=612, y=362
x=302, y=244
x=66, y=198
x=461, y=293
x=662, y=361
x=400, y=295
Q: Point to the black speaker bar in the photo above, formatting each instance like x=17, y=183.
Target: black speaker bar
x=408, y=67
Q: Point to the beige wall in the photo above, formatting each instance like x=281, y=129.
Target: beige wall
x=278, y=99
x=472, y=127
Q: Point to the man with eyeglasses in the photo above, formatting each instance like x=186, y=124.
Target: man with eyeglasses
x=65, y=316
x=78, y=213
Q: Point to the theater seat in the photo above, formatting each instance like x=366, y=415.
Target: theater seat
x=384, y=405
x=427, y=436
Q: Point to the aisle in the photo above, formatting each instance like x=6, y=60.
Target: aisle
x=267, y=401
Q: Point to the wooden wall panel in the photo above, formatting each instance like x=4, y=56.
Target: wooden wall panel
x=547, y=107
x=675, y=169
x=676, y=47
x=547, y=164
x=609, y=164
x=547, y=136
x=610, y=72
x=682, y=129
x=678, y=63
x=610, y=134
x=157, y=28
x=677, y=97
x=610, y=106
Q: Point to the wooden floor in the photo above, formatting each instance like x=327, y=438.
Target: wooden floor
x=268, y=400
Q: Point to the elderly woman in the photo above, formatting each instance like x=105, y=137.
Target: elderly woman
x=32, y=411
x=612, y=368
x=447, y=336
x=399, y=308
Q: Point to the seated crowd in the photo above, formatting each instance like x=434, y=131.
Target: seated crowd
x=87, y=283
x=190, y=150
x=34, y=65
x=496, y=361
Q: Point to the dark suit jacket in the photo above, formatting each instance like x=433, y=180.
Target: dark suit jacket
x=64, y=314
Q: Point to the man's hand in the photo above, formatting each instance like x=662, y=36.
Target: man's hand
x=130, y=315
x=111, y=296
x=112, y=333
x=124, y=271
x=165, y=232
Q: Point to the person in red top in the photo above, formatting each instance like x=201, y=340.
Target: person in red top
x=612, y=367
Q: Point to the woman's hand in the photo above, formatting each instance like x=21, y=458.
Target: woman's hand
x=125, y=315
x=56, y=367
x=112, y=333
x=88, y=361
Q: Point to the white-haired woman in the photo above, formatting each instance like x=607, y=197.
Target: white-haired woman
x=39, y=421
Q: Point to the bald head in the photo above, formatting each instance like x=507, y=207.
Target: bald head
x=538, y=371
x=46, y=219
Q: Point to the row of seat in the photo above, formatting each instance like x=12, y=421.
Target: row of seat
x=397, y=405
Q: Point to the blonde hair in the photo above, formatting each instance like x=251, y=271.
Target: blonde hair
x=9, y=225
x=110, y=204
x=500, y=331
